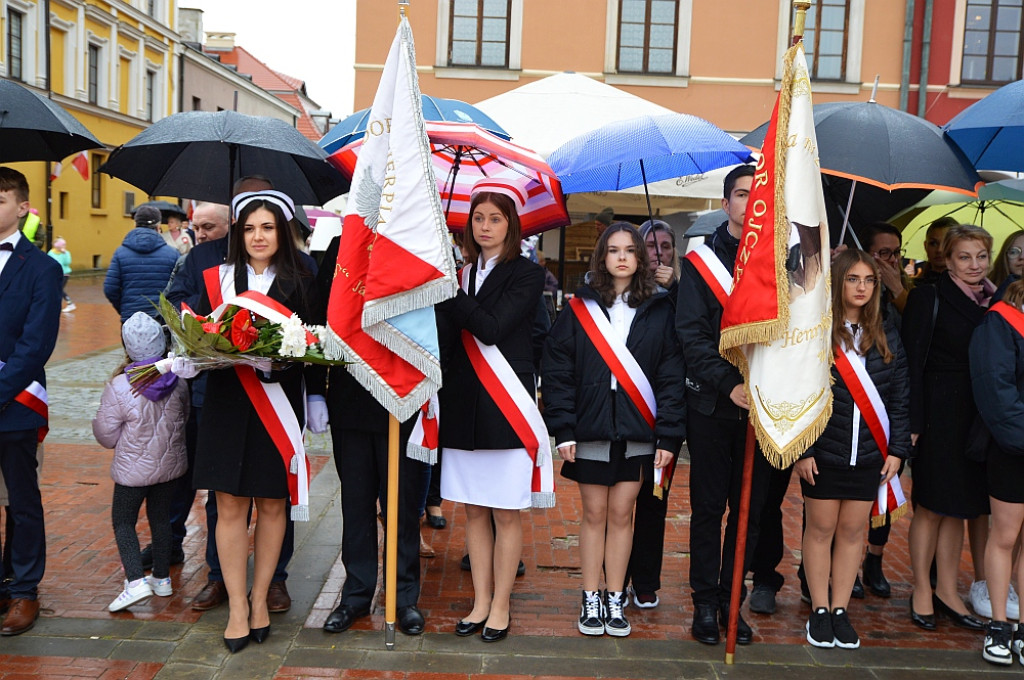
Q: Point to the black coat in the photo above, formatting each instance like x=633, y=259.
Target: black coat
x=500, y=313
x=832, y=449
x=709, y=377
x=579, y=404
x=997, y=376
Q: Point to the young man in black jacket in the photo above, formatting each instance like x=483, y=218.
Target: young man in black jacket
x=716, y=428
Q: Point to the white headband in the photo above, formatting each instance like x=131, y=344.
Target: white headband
x=281, y=200
x=514, y=188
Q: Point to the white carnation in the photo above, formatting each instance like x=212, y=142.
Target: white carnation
x=293, y=338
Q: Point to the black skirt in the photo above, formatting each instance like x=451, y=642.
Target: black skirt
x=844, y=484
x=617, y=469
x=1005, y=475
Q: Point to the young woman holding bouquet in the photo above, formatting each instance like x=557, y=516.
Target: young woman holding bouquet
x=236, y=456
x=613, y=372
x=496, y=454
x=860, y=450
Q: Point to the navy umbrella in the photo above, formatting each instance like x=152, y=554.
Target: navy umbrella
x=353, y=127
x=166, y=209
x=200, y=155
x=635, y=151
x=991, y=130
x=34, y=128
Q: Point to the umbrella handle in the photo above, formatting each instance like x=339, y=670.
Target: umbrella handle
x=846, y=215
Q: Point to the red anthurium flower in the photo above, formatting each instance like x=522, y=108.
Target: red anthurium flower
x=242, y=332
x=211, y=327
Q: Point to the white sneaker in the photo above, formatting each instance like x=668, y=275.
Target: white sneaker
x=980, y=602
x=160, y=586
x=1012, y=604
x=133, y=593
x=70, y=307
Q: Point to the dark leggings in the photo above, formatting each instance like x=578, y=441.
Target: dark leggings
x=124, y=510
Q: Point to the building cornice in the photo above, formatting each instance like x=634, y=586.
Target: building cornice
x=201, y=60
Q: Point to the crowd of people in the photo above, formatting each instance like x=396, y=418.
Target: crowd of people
x=928, y=374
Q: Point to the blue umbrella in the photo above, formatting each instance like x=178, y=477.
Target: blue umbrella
x=628, y=153
x=353, y=127
x=991, y=131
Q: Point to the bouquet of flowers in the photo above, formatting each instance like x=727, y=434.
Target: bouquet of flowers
x=236, y=335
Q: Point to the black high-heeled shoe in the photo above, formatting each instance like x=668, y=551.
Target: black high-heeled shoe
x=236, y=645
x=925, y=621
x=467, y=628
x=962, y=620
x=259, y=635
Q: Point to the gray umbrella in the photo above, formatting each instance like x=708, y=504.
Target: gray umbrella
x=34, y=128
x=200, y=155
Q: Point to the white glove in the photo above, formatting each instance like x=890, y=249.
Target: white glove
x=183, y=367
x=316, y=414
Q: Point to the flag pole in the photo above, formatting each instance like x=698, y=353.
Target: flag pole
x=391, y=526
x=739, y=556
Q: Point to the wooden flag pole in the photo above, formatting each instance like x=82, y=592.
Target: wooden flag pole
x=743, y=520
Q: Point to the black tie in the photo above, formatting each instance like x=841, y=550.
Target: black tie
x=854, y=327
x=7, y=246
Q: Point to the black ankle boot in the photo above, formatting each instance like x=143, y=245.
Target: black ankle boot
x=874, y=579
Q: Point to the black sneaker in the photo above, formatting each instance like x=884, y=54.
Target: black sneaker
x=996, y=649
x=844, y=634
x=1017, y=643
x=819, y=629
x=615, y=622
x=592, y=613
x=762, y=600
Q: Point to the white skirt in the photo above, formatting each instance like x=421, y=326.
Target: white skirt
x=493, y=478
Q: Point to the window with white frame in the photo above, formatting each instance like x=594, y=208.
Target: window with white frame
x=993, y=41
x=647, y=36
x=826, y=35
x=93, y=74
x=479, y=33
x=15, y=46
x=150, y=91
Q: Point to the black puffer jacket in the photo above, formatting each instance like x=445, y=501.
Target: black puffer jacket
x=997, y=377
x=579, y=404
x=832, y=449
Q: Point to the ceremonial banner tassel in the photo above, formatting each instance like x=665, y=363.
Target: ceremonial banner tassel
x=394, y=259
x=777, y=324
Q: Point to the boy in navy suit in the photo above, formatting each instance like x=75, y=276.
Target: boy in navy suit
x=30, y=295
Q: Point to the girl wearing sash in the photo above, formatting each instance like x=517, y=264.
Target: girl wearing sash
x=490, y=461
x=854, y=462
x=997, y=378
x=236, y=458
x=613, y=398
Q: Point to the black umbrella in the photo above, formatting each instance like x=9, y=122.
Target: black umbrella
x=166, y=209
x=34, y=128
x=200, y=155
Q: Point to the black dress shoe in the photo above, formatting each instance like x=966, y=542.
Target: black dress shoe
x=410, y=620
x=436, y=521
x=858, y=589
x=705, y=624
x=467, y=628
x=962, y=620
x=236, y=645
x=495, y=634
x=874, y=579
x=259, y=635
x=744, y=634
x=342, y=618
x=925, y=621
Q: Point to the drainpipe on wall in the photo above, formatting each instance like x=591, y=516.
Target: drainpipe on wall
x=908, y=44
x=926, y=48
x=181, y=79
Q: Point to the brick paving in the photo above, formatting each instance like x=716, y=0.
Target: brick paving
x=77, y=638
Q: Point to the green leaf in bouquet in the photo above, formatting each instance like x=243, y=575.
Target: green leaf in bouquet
x=222, y=344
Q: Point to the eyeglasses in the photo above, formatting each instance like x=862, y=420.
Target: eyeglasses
x=1014, y=253
x=886, y=253
x=868, y=281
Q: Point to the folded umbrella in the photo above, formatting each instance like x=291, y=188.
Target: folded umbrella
x=34, y=128
x=991, y=130
x=166, y=209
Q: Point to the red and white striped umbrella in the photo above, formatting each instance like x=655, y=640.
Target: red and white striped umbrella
x=461, y=154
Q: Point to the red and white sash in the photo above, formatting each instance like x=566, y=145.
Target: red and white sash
x=711, y=269
x=868, y=402
x=34, y=398
x=424, y=440
x=518, y=406
x=1011, y=314
x=269, y=399
x=623, y=366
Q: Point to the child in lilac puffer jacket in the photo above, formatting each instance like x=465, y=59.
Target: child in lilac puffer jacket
x=147, y=433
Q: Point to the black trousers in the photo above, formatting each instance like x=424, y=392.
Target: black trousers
x=361, y=460
x=716, y=474
x=770, y=542
x=124, y=514
x=27, y=541
x=644, y=570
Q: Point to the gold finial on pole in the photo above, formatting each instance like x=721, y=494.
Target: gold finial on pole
x=402, y=5
x=801, y=7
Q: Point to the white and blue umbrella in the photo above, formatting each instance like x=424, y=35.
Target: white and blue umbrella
x=636, y=151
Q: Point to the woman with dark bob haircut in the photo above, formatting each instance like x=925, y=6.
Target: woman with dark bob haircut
x=613, y=372
x=495, y=459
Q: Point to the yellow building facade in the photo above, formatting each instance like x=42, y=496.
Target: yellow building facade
x=114, y=67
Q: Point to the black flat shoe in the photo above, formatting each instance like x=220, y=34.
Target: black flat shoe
x=236, y=645
x=467, y=628
x=494, y=634
x=436, y=521
x=259, y=635
x=342, y=618
x=925, y=621
x=962, y=620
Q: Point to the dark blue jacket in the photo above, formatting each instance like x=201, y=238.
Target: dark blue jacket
x=30, y=287
x=997, y=378
x=139, y=272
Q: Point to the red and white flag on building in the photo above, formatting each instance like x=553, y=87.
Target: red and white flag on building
x=777, y=324
x=81, y=164
x=394, y=260
x=55, y=171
